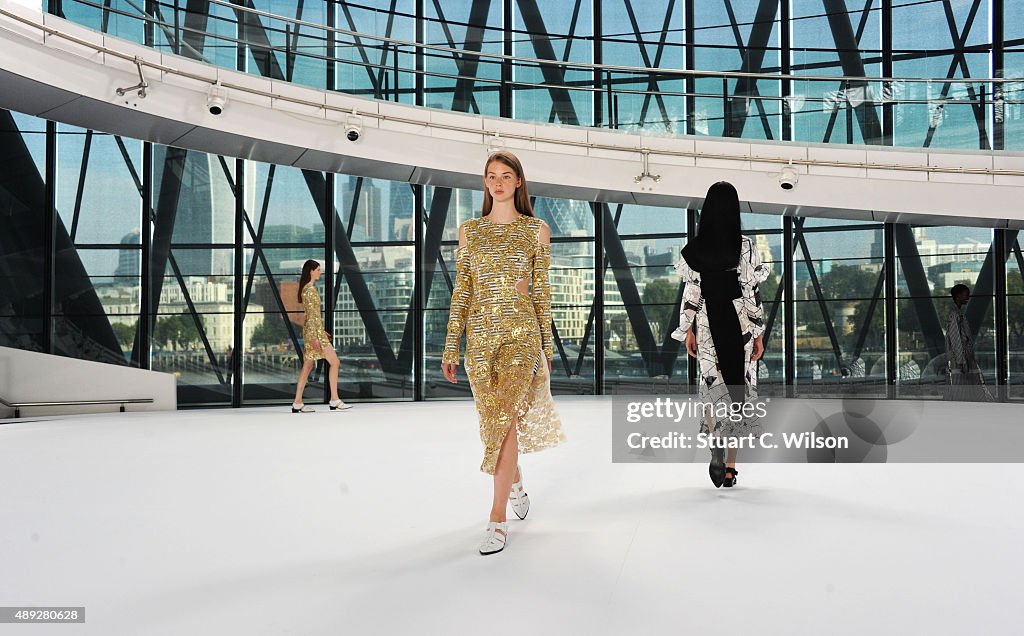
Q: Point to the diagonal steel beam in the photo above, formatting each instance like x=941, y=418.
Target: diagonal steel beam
x=652, y=82
x=80, y=190
x=461, y=62
x=22, y=198
x=863, y=335
x=848, y=48
x=567, y=50
x=269, y=66
x=631, y=299
x=984, y=288
x=959, y=60
x=375, y=82
x=554, y=76
x=466, y=66
x=920, y=293
x=826, y=317
x=752, y=53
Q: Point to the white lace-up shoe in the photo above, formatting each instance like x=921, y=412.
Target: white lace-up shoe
x=518, y=498
x=494, y=541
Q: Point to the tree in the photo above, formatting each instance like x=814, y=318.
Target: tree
x=125, y=334
x=271, y=331
x=178, y=331
x=659, y=300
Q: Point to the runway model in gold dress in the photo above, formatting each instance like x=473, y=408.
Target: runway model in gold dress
x=317, y=343
x=502, y=299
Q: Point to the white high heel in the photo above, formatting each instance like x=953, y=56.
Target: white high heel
x=518, y=498
x=339, y=405
x=494, y=540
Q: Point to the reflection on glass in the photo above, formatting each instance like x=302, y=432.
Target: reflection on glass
x=839, y=303
x=1015, y=318
x=931, y=260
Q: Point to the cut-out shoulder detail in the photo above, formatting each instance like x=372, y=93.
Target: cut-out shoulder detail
x=544, y=233
x=523, y=287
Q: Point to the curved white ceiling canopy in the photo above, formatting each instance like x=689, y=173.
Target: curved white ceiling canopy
x=61, y=71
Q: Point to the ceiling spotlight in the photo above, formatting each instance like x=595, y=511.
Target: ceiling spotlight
x=788, y=177
x=354, y=127
x=217, y=100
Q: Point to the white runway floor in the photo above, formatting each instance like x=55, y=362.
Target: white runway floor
x=256, y=521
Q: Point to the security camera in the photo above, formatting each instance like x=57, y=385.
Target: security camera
x=788, y=177
x=216, y=105
x=217, y=101
x=354, y=128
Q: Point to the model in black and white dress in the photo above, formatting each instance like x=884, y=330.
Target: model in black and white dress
x=721, y=304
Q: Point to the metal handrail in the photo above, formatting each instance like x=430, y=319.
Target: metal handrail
x=396, y=118
x=582, y=66
x=17, y=406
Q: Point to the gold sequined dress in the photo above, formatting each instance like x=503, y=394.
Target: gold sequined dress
x=508, y=333
x=313, y=324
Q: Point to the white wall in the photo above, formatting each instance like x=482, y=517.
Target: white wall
x=27, y=376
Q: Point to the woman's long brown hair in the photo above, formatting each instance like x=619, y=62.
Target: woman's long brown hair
x=307, y=269
x=522, y=197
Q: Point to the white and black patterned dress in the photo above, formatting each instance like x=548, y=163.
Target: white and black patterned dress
x=751, y=272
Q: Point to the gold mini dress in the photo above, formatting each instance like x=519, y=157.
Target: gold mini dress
x=508, y=333
x=313, y=324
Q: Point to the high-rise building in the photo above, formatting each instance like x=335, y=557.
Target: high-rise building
x=129, y=258
x=204, y=212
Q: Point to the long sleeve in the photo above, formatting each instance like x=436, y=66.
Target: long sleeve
x=691, y=302
x=461, y=296
x=541, y=293
x=758, y=274
x=954, y=340
x=313, y=324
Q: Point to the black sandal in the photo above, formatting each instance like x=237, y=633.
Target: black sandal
x=716, y=469
x=730, y=481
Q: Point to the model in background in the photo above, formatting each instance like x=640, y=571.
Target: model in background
x=317, y=342
x=722, y=270
x=502, y=298
x=966, y=382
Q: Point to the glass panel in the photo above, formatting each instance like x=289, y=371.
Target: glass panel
x=193, y=329
x=366, y=66
x=98, y=291
x=1015, y=317
x=22, y=234
x=922, y=39
x=123, y=17
x=651, y=270
x=737, y=107
x=650, y=37
x=372, y=322
x=459, y=25
x=297, y=53
x=285, y=229
x=930, y=261
x=840, y=308
x=553, y=31
x=835, y=111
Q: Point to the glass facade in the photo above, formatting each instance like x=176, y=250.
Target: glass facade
x=759, y=69
x=214, y=271
x=132, y=253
